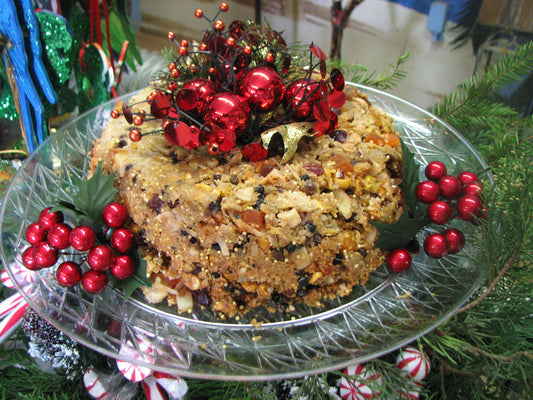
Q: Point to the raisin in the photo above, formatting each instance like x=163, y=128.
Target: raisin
x=339, y=135
x=201, y=296
x=156, y=203
x=338, y=259
x=214, y=206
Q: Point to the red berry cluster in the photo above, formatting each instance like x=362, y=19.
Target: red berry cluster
x=50, y=236
x=447, y=197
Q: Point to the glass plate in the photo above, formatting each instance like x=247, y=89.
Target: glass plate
x=390, y=311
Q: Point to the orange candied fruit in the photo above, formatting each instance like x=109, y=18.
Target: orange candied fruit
x=254, y=218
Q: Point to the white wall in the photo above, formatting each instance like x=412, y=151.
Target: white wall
x=378, y=33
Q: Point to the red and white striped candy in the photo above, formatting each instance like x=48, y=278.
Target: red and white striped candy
x=94, y=384
x=413, y=393
x=11, y=311
x=358, y=388
x=414, y=362
x=134, y=372
x=175, y=387
x=152, y=389
x=24, y=276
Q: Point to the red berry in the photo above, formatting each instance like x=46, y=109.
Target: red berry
x=35, y=233
x=114, y=214
x=82, y=238
x=467, y=177
x=45, y=255
x=68, y=273
x=28, y=260
x=435, y=170
x=100, y=257
x=450, y=187
x=436, y=245
x=58, y=236
x=439, y=212
x=399, y=260
x=48, y=218
x=123, y=267
x=122, y=240
x=94, y=281
x=455, y=239
x=469, y=207
x=427, y=191
x=473, y=188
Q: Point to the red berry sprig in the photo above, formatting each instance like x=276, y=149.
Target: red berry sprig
x=49, y=237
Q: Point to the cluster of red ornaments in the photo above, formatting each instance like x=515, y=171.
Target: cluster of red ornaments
x=223, y=92
x=50, y=236
x=447, y=197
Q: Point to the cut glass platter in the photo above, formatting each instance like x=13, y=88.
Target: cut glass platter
x=390, y=311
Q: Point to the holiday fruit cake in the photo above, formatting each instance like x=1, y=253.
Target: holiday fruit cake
x=260, y=188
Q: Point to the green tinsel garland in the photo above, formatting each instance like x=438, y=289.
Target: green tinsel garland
x=485, y=351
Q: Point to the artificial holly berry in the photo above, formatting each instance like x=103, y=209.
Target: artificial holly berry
x=435, y=170
x=469, y=207
x=68, y=274
x=123, y=267
x=94, y=281
x=450, y=187
x=436, y=245
x=399, y=260
x=82, y=238
x=473, y=188
x=58, y=236
x=45, y=255
x=439, y=212
x=114, y=214
x=100, y=257
x=47, y=218
x=467, y=177
x=455, y=239
x=122, y=240
x=427, y=191
x=35, y=233
x=28, y=261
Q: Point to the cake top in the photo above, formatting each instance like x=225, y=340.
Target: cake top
x=233, y=89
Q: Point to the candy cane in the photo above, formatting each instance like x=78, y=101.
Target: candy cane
x=175, y=387
x=11, y=311
x=152, y=389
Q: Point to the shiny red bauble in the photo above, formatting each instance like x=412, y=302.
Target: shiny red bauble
x=100, y=257
x=160, y=105
x=47, y=218
x=35, y=233
x=439, y=212
x=228, y=111
x=473, y=188
x=178, y=133
x=455, y=239
x=469, y=207
x=114, y=214
x=94, y=281
x=123, y=267
x=301, y=96
x=195, y=94
x=58, y=236
x=68, y=274
x=399, y=260
x=122, y=240
x=435, y=170
x=82, y=237
x=450, y=187
x=28, y=261
x=262, y=88
x=436, y=245
x=427, y=191
x=45, y=255
x=467, y=177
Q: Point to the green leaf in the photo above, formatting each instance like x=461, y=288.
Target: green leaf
x=120, y=32
x=400, y=233
x=139, y=278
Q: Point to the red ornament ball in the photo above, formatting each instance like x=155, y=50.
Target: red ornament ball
x=58, y=236
x=399, y=260
x=301, y=96
x=122, y=240
x=195, y=94
x=435, y=170
x=450, y=187
x=436, y=245
x=47, y=218
x=45, y=255
x=228, y=111
x=82, y=237
x=35, y=233
x=427, y=191
x=439, y=212
x=467, y=177
x=473, y=188
x=123, y=267
x=68, y=273
x=94, y=281
x=28, y=261
x=455, y=239
x=114, y=214
x=469, y=207
x=100, y=257
x=262, y=88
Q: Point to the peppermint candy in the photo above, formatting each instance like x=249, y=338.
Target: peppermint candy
x=413, y=393
x=414, y=362
x=175, y=387
x=107, y=387
x=143, y=353
x=358, y=388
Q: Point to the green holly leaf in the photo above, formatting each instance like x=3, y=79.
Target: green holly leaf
x=414, y=218
x=139, y=278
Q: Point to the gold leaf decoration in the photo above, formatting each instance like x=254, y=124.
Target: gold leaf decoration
x=291, y=135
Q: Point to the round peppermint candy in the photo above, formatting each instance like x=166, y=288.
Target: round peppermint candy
x=414, y=362
x=360, y=384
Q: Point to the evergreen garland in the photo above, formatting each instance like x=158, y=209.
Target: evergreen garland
x=484, y=351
